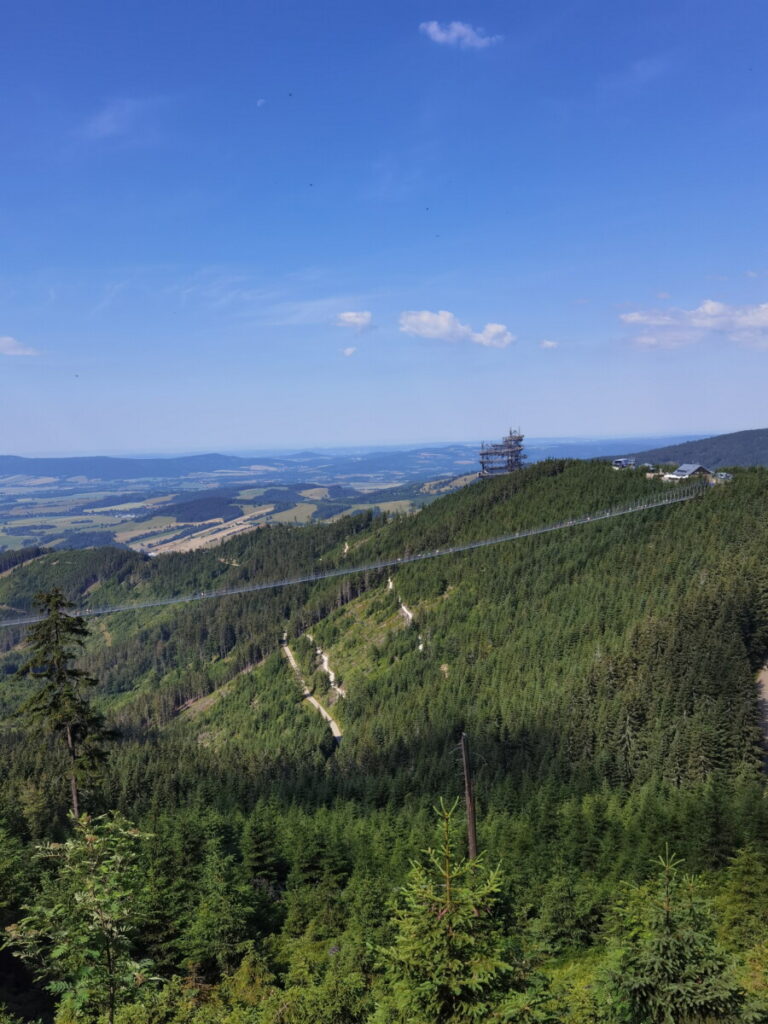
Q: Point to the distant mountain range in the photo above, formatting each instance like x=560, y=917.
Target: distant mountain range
x=104, y=467
x=322, y=467
x=183, y=502
x=374, y=465
x=742, y=448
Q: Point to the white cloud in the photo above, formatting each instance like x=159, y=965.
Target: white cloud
x=649, y=319
x=349, y=351
x=12, y=347
x=358, y=320
x=747, y=325
x=494, y=336
x=458, y=33
x=445, y=326
x=548, y=344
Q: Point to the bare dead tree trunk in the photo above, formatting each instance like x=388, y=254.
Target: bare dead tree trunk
x=469, y=798
x=72, y=775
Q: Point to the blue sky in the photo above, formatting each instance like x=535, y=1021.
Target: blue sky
x=251, y=225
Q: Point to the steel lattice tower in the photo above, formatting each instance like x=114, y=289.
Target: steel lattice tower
x=502, y=457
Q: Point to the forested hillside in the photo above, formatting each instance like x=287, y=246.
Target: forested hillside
x=605, y=675
x=742, y=448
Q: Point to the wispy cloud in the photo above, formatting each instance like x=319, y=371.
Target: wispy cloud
x=671, y=328
x=397, y=177
x=11, y=347
x=646, y=70
x=247, y=295
x=546, y=343
x=220, y=290
x=307, y=312
x=349, y=351
x=445, y=326
x=121, y=119
x=109, y=296
x=458, y=33
x=637, y=77
x=359, y=321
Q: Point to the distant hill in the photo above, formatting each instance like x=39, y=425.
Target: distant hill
x=389, y=465
x=103, y=467
x=378, y=466
x=742, y=448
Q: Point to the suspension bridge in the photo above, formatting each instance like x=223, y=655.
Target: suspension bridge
x=679, y=494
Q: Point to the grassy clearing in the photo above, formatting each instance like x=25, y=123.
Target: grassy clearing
x=206, y=538
x=196, y=707
x=124, y=534
x=363, y=623
x=404, y=505
x=301, y=513
x=256, y=510
x=59, y=523
x=129, y=506
x=11, y=543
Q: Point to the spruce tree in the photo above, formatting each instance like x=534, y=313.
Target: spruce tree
x=60, y=705
x=447, y=963
x=215, y=938
x=670, y=968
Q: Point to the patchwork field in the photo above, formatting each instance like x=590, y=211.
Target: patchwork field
x=185, y=519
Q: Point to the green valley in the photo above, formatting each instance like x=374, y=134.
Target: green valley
x=605, y=675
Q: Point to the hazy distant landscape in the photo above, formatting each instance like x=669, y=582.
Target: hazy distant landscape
x=180, y=503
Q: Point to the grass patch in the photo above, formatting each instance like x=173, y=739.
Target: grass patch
x=349, y=634
x=301, y=513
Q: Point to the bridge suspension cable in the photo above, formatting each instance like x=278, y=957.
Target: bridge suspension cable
x=680, y=493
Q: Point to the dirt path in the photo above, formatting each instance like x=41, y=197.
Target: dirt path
x=333, y=725
x=325, y=667
x=330, y=673
x=408, y=616
x=405, y=611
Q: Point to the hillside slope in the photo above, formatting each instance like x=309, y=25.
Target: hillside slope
x=742, y=448
x=579, y=657
x=605, y=674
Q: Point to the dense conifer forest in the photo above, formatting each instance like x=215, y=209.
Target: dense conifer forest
x=742, y=448
x=232, y=862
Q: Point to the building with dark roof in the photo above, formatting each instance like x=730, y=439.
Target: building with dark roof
x=688, y=470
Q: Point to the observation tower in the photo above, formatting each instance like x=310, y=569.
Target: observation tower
x=502, y=457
